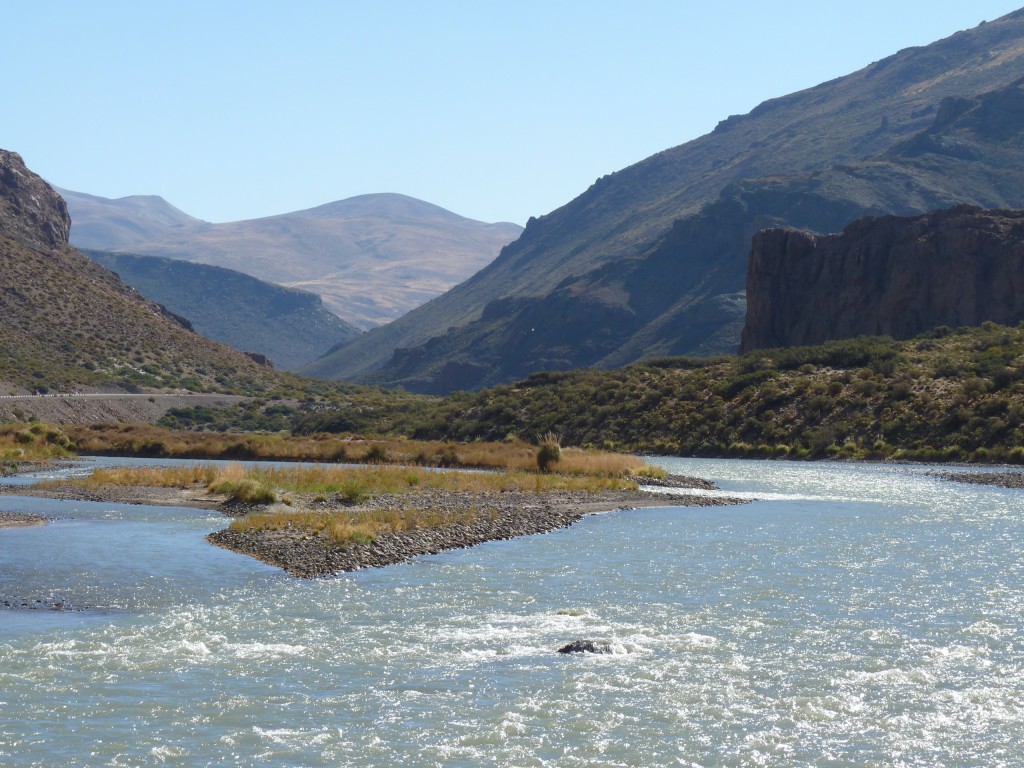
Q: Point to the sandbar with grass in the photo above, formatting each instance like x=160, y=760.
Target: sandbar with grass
x=328, y=519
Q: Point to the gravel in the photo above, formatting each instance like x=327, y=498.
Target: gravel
x=499, y=516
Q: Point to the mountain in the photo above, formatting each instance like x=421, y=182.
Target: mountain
x=289, y=326
x=651, y=260
x=123, y=223
x=887, y=276
x=66, y=321
x=371, y=258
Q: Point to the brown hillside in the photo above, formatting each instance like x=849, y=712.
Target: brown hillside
x=65, y=321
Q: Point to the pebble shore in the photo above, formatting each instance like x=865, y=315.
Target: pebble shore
x=306, y=554
x=20, y=519
x=1001, y=479
x=500, y=516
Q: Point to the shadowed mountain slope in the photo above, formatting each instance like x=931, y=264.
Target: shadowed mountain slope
x=66, y=321
x=651, y=260
x=289, y=326
x=371, y=258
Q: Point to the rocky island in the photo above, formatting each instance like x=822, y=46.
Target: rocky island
x=326, y=520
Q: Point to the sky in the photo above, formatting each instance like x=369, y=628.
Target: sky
x=496, y=111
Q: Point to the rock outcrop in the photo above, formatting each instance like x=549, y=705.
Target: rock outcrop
x=30, y=211
x=886, y=275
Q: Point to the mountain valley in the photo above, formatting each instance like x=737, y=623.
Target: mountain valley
x=69, y=323
x=651, y=260
x=371, y=258
x=289, y=326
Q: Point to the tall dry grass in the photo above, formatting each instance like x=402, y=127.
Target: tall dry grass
x=148, y=477
x=347, y=481
x=147, y=440
x=356, y=527
x=34, y=441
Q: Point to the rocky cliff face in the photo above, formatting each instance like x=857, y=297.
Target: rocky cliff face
x=888, y=276
x=30, y=211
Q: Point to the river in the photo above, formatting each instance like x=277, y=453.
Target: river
x=851, y=615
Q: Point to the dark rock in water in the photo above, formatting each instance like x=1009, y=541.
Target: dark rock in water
x=586, y=646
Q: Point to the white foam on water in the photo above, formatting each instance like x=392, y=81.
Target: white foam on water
x=258, y=650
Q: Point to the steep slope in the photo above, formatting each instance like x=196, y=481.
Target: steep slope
x=66, y=321
x=289, y=326
x=820, y=158
x=371, y=258
x=887, y=276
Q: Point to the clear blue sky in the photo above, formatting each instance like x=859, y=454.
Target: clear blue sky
x=497, y=111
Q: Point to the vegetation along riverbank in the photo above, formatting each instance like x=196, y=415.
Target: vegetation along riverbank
x=951, y=395
x=320, y=520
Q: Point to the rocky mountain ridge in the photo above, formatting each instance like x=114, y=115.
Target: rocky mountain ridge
x=885, y=276
x=651, y=260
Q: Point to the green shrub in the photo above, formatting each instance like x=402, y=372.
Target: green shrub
x=353, y=492
x=246, y=491
x=376, y=454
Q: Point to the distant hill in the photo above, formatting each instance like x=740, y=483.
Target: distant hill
x=371, y=258
x=651, y=260
x=66, y=321
x=123, y=223
x=289, y=326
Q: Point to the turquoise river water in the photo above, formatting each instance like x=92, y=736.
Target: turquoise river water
x=850, y=615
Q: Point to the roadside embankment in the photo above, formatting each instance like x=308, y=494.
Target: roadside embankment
x=98, y=407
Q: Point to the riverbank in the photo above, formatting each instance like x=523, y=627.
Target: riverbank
x=10, y=468
x=196, y=497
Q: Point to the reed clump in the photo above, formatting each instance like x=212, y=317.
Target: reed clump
x=245, y=491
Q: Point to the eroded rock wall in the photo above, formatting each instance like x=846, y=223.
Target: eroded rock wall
x=885, y=275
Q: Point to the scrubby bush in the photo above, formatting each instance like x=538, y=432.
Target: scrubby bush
x=549, y=452
x=353, y=492
x=246, y=491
